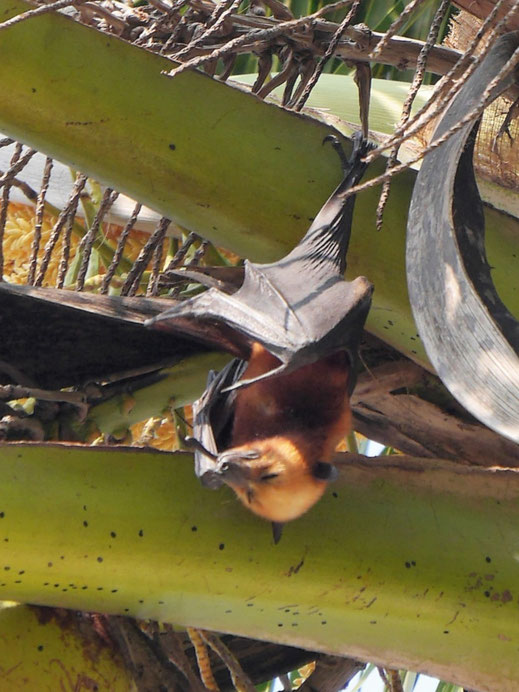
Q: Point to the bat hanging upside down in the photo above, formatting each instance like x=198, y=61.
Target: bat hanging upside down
x=284, y=433
x=268, y=424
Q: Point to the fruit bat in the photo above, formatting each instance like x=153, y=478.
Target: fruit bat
x=268, y=424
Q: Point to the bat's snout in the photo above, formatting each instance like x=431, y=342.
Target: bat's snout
x=232, y=469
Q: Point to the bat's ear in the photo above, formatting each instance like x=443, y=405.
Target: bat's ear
x=277, y=531
x=324, y=471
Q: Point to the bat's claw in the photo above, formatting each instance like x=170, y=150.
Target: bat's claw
x=334, y=141
x=358, y=145
x=195, y=445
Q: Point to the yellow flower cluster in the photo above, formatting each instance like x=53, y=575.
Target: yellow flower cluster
x=19, y=236
x=159, y=433
x=18, y=239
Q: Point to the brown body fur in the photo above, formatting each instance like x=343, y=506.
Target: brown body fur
x=293, y=421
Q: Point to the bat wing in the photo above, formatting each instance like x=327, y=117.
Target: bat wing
x=226, y=279
x=212, y=420
x=300, y=308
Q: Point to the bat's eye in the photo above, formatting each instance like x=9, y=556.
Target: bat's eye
x=231, y=459
x=269, y=476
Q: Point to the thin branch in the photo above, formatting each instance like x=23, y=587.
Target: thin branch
x=5, y=202
x=87, y=243
x=134, y=275
x=419, y=120
x=60, y=222
x=221, y=13
x=240, y=680
x=395, y=26
x=120, y=249
x=332, y=46
x=16, y=166
x=406, y=108
x=486, y=98
x=14, y=391
x=202, y=658
x=153, y=283
x=38, y=221
x=100, y=11
x=255, y=36
x=42, y=9
x=171, y=643
x=177, y=260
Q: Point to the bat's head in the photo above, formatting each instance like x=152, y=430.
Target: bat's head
x=275, y=477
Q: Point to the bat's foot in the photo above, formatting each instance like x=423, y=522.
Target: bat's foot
x=346, y=162
x=334, y=141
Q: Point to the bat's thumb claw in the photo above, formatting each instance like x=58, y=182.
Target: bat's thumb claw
x=196, y=445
